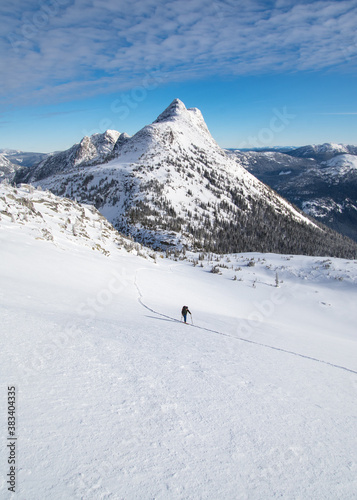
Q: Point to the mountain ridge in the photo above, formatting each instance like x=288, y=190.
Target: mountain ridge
x=88, y=151
x=170, y=184
x=324, y=189
x=323, y=151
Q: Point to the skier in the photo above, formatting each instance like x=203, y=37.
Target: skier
x=184, y=312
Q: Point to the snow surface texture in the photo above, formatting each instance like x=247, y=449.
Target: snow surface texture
x=117, y=398
x=62, y=221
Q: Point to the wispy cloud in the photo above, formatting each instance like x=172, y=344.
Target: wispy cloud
x=342, y=113
x=69, y=48
x=51, y=114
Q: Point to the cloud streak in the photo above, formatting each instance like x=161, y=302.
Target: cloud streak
x=337, y=113
x=62, y=49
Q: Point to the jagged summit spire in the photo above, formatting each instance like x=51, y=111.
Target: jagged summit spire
x=176, y=108
x=191, y=117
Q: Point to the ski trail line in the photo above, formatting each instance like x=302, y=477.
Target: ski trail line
x=140, y=300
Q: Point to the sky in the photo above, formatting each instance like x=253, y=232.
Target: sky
x=263, y=73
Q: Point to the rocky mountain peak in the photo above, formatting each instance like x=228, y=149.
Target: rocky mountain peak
x=177, y=113
x=96, y=146
x=90, y=150
x=174, y=110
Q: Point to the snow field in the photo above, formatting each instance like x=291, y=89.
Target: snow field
x=118, y=399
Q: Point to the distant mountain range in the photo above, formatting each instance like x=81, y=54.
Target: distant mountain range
x=7, y=168
x=11, y=161
x=320, y=180
x=317, y=151
x=22, y=158
x=90, y=151
x=171, y=185
x=323, y=152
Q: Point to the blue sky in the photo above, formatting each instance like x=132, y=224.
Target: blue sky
x=263, y=73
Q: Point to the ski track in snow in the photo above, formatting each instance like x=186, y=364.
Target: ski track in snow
x=141, y=301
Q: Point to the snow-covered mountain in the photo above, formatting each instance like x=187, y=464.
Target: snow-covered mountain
x=324, y=151
x=325, y=189
x=340, y=166
x=171, y=184
x=115, y=398
x=22, y=158
x=7, y=168
x=276, y=149
x=89, y=151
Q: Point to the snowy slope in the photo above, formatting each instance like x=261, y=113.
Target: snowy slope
x=4, y=162
x=118, y=399
x=340, y=166
x=7, y=169
x=63, y=222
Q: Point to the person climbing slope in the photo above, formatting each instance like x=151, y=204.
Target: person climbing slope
x=184, y=312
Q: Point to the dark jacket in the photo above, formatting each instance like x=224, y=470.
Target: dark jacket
x=185, y=310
